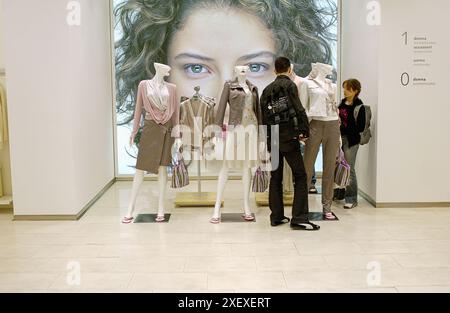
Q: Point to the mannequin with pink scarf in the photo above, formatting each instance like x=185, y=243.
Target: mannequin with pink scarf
x=161, y=106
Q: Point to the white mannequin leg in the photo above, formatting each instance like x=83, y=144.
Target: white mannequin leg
x=137, y=182
x=246, y=180
x=223, y=178
x=162, y=182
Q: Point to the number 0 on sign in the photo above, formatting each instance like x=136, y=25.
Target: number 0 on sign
x=405, y=79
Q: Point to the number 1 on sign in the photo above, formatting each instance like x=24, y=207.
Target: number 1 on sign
x=405, y=34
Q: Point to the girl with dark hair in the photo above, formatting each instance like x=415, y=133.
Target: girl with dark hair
x=351, y=128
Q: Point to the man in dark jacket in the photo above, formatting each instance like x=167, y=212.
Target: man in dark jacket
x=287, y=125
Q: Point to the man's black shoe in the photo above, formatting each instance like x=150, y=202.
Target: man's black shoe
x=313, y=190
x=285, y=220
x=305, y=226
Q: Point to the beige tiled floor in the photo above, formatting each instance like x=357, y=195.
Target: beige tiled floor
x=407, y=249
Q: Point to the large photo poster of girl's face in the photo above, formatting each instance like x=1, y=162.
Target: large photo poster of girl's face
x=203, y=40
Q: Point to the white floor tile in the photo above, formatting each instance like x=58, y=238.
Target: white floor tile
x=409, y=247
x=153, y=264
x=92, y=282
x=326, y=247
x=323, y=279
x=15, y=265
x=65, y=265
x=263, y=249
x=415, y=277
x=31, y=282
x=290, y=263
x=219, y=264
x=429, y=260
x=360, y=261
x=246, y=280
x=424, y=289
x=168, y=281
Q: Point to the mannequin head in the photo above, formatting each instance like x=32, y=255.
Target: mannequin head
x=241, y=72
x=314, y=71
x=324, y=70
x=162, y=70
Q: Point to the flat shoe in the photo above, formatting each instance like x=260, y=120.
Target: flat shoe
x=313, y=191
x=215, y=220
x=160, y=219
x=285, y=220
x=304, y=226
x=127, y=220
x=248, y=218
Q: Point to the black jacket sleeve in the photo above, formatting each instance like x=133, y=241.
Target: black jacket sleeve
x=264, y=102
x=299, y=109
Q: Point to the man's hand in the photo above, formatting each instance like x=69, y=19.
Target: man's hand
x=302, y=138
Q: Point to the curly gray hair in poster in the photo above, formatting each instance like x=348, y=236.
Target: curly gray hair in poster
x=202, y=40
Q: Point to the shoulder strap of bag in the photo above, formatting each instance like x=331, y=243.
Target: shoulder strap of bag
x=356, y=112
x=368, y=115
x=368, y=112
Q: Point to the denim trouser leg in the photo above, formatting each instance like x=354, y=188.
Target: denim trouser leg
x=351, y=192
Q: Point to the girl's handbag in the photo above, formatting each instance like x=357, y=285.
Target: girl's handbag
x=342, y=171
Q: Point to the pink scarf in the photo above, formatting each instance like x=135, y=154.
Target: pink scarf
x=153, y=111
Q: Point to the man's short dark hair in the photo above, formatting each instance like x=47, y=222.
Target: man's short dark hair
x=282, y=65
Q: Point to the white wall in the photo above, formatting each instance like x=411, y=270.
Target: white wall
x=60, y=104
x=2, y=57
x=407, y=162
x=359, y=59
x=5, y=152
x=414, y=130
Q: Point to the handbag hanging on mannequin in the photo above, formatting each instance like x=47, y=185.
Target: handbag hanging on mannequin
x=180, y=175
x=260, y=181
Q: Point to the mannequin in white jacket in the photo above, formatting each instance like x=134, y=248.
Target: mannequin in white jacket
x=288, y=184
x=318, y=96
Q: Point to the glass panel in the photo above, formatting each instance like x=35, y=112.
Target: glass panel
x=203, y=42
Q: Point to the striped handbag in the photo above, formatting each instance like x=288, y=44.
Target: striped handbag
x=260, y=181
x=180, y=175
x=342, y=171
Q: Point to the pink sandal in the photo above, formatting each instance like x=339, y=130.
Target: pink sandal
x=248, y=218
x=127, y=220
x=160, y=219
x=215, y=220
x=329, y=216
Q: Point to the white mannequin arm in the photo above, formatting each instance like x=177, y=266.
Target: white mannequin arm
x=137, y=115
x=304, y=96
